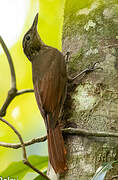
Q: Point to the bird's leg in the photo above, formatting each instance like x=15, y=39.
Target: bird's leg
x=84, y=72
x=70, y=80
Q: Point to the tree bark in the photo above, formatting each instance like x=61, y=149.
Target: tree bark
x=90, y=34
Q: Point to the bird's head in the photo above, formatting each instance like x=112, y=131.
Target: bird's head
x=32, y=41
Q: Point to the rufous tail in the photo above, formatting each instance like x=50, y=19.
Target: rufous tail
x=56, y=150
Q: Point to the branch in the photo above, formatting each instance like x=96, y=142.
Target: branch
x=12, y=93
x=24, y=91
x=13, y=76
x=84, y=132
x=71, y=131
x=25, y=159
x=27, y=143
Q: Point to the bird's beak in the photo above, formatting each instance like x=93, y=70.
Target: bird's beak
x=35, y=22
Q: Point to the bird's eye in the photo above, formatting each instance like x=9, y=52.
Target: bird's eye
x=28, y=37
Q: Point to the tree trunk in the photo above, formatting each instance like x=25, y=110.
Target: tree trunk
x=90, y=34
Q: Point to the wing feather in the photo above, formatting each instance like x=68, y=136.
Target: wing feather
x=50, y=87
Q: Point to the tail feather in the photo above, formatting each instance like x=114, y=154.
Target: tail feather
x=56, y=150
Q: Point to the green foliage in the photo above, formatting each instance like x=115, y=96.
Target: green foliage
x=19, y=170
x=101, y=171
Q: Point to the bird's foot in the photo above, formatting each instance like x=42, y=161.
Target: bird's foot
x=90, y=68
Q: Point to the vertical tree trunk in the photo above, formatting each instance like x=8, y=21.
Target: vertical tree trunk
x=90, y=34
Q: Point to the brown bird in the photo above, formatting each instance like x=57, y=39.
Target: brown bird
x=50, y=83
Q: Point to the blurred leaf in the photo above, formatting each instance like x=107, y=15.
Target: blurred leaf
x=19, y=170
x=101, y=171
x=40, y=177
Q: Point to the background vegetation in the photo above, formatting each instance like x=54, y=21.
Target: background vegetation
x=23, y=112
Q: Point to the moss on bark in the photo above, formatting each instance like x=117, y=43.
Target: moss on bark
x=89, y=33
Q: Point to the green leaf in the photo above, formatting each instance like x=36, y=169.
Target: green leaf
x=101, y=171
x=40, y=177
x=19, y=170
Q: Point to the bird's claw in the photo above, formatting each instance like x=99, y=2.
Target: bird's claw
x=93, y=67
x=86, y=71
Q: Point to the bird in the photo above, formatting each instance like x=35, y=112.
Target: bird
x=49, y=77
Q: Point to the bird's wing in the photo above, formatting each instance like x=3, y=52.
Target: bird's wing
x=51, y=88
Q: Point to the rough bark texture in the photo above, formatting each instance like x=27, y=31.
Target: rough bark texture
x=90, y=34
